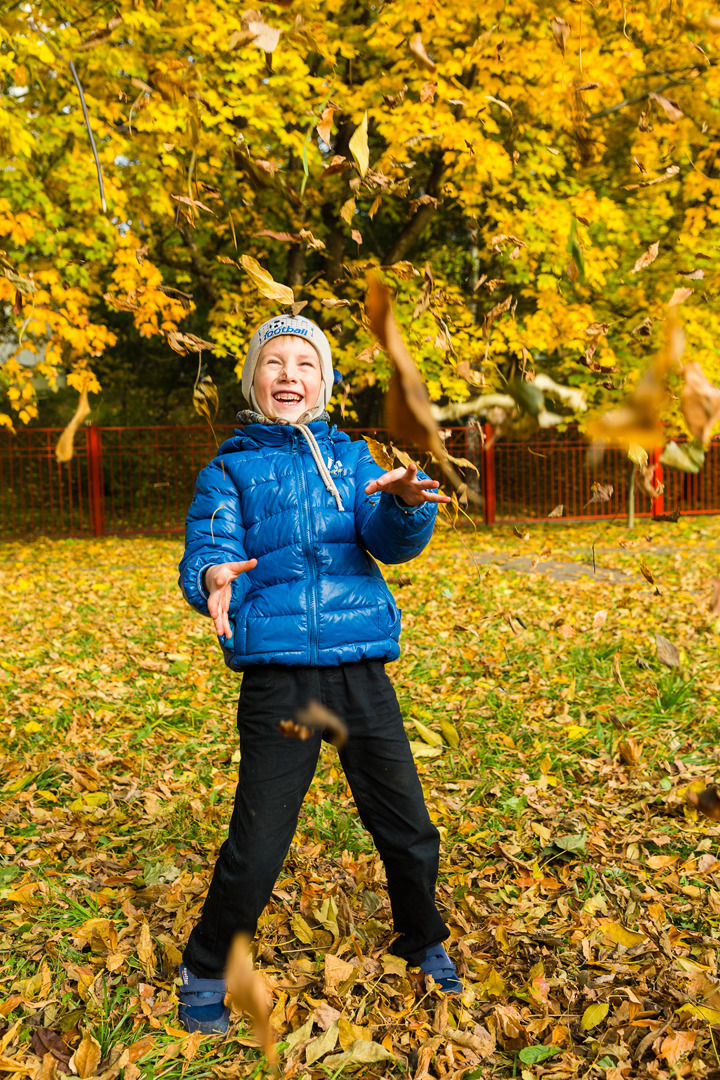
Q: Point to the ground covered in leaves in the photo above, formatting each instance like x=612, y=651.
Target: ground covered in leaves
x=556, y=750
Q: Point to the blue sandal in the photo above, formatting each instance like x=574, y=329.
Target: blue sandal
x=438, y=964
x=202, y=1004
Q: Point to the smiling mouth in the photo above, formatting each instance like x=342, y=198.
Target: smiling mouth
x=286, y=398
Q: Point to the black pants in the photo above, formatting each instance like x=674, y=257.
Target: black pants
x=275, y=774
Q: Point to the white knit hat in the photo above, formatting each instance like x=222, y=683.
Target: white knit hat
x=300, y=327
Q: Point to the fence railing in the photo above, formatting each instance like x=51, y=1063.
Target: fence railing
x=140, y=480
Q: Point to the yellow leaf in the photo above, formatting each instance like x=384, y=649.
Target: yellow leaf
x=265, y=283
x=620, y=935
x=349, y=1033
x=32, y=727
x=301, y=929
x=594, y=1015
x=576, y=731
x=700, y=1012
x=358, y=146
x=450, y=734
x=427, y=735
x=87, y=1057
x=145, y=950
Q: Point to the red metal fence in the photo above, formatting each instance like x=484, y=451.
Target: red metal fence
x=140, y=480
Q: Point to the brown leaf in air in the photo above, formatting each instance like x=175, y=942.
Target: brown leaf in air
x=630, y=751
x=249, y=993
x=407, y=410
x=700, y=403
x=707, y=801
x=317, y=718
x=557, y=512
x=205, y=398
x=65, y=445
x=667, y=654
x=648, y=257
x=671, y=108
x=601, y=493
x=422, y=59
x=255, y=29
x=715, y=601
x=679, y=296
x=428, y=92
x=560, y=31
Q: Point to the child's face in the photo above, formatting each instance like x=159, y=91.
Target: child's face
x=288, y=378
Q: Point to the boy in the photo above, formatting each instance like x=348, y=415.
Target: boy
x=280, y=540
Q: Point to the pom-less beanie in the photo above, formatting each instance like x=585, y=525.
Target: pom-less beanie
x=300, y=327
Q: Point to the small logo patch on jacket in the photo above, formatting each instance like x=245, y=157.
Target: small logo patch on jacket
x=335, y=468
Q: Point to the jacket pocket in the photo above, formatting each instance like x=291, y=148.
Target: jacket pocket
x=388, y=617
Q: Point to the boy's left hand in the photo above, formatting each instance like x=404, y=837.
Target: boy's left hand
x=405, y=484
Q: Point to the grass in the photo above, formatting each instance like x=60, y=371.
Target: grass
x=119, y=759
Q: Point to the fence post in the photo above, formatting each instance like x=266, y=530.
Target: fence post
x=488, y=476
x=658, y=504
x=95, y=480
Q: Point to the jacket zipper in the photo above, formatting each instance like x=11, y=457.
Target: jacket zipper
x=304, y=492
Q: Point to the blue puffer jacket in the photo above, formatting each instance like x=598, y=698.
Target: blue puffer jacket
x=316, y=597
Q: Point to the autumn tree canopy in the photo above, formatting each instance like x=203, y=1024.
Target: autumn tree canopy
x=538, y=183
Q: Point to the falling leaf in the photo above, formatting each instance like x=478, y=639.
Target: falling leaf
x=687, y=458
x=185, y=343
x=715, y=601
x=249, y=993
x=422, y=59
x=205, y=398
x=357, y=236
x=667, y=654
x=87, y=1056
x=380, y=454
x=65, y=446
x=264, y=282
x=560, y=31
x=255, y=29
x=700, y=403
x=557, y=512
x=599, y=618
x=324, y=127
x=707, y=801
x=347, y=210
x=645, y=481
x=331, y=302
x=601, y=493
x=428, y=92
x=648, y=575
x=649, y=257
x=316, y=717
x=594, y=1015
x=681, y=294
x=617, y=674
x=693, y=275
x=358, y=146
x=407, y=410
x=631, y=753
x=671, y=108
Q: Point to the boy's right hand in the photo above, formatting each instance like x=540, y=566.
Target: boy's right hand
x=218, y=582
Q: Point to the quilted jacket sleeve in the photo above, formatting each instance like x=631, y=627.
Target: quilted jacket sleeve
x=213, y=534
x=391, y=531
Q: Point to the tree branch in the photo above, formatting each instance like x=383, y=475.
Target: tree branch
x=409, y=235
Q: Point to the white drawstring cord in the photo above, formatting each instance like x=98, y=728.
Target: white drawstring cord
x=318, y=459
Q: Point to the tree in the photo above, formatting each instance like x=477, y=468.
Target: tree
x=558, y=178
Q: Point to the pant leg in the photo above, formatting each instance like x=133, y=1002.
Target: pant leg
x=380, y=769
x=275, y=773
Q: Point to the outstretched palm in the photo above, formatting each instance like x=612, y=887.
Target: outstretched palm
x=405, y=484
x=218, y=582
